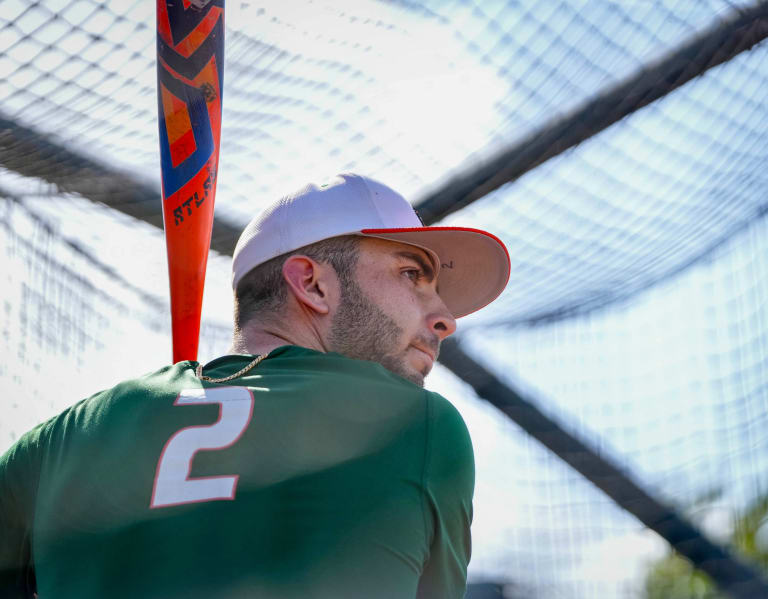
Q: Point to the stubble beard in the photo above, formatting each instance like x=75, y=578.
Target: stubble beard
x=361, y=330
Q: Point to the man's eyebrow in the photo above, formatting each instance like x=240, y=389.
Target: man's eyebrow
x=429, y=271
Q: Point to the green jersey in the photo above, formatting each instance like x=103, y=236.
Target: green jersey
x=310, y=476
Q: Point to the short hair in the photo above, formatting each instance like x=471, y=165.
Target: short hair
x=263, y=289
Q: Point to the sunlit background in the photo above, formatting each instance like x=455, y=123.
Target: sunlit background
x=636, y=316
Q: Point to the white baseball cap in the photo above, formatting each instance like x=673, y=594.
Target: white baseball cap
x=474, y=264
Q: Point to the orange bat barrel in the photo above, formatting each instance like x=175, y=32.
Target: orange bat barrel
x=190, y=78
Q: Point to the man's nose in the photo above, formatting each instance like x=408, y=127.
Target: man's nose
x=441, y=321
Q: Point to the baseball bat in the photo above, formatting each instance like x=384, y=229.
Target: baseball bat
x=190, y=79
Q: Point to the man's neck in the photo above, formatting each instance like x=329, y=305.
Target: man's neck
x=258, y=346
x=258, y=340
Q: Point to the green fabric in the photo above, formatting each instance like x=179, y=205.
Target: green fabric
x=353, y=482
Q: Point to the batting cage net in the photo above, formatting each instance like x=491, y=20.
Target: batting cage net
x=617, y=148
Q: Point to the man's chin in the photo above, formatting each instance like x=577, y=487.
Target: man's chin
x=416, y=375
x=409, y=373
x=415, y=378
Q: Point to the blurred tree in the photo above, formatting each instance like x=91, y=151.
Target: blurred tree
x=673, y=577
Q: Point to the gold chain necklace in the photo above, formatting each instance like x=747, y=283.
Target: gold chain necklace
x=199, y=371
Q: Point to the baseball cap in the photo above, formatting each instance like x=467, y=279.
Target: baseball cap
x=473, y=264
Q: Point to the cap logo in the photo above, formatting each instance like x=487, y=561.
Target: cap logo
x=447, y=264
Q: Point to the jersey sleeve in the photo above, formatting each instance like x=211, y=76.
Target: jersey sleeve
x=449, y=482
x=19, y=475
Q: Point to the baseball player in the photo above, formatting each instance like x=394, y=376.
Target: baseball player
x=307, y=463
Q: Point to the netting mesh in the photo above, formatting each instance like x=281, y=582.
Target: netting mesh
x=71, y=325
x=637, y=311
x=638, y=202
x=672, y=385
x=348, y=83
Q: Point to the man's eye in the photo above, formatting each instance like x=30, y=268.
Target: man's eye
x=415, y=274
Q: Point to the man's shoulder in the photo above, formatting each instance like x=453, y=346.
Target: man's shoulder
x=335, y=369
x=443, y=410
x=25, y=446
x=159, y=382
x=450, y=437
x=163, y=380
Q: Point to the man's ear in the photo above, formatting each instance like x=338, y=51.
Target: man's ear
x=308, y=281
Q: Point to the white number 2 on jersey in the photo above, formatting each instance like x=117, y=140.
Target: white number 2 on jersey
x=172, y=483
